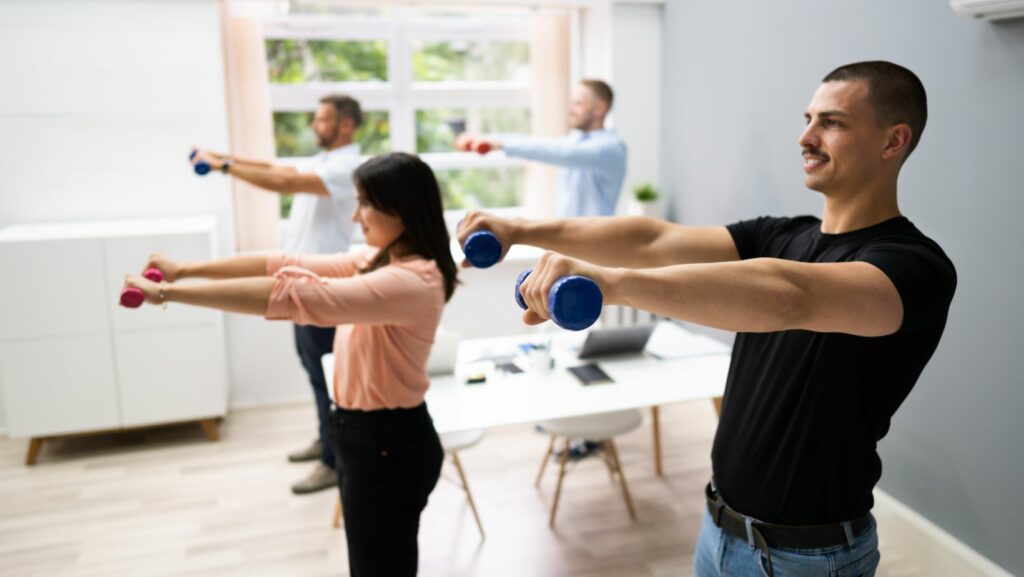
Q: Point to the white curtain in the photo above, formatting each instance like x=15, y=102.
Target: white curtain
x=549, y=101
x=250, y=128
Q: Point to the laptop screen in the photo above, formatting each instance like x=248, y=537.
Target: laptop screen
x=616, y=341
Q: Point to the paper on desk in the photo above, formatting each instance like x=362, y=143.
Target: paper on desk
x=671, y=341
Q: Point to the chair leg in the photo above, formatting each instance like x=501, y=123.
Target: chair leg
x=622, y=479
x=469, y=495
x=656, y=430
x=558, y=487
x=717, y=403
x=608, y=463
x=544, y=462
x=337, y=514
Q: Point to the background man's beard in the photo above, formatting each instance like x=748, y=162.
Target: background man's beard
x=325, y=141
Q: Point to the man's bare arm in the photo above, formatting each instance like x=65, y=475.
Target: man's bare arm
x=632, y=241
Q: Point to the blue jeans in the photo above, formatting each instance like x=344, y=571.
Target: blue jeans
x=312, y=343
x=720, y=554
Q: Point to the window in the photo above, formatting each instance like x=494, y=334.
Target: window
x=421, y=76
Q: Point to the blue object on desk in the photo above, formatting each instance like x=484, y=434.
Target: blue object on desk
x=574, y=302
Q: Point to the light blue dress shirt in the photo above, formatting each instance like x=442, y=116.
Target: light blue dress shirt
x=593, y=168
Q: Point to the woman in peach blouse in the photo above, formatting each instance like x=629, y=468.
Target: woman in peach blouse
x=386, y=303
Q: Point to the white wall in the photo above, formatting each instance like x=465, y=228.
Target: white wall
x=636, y=58
x=101, y=101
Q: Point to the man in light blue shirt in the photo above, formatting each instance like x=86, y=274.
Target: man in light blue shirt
x=592, y=158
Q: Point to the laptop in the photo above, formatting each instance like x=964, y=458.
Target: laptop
x=616, y=341
x=444, y=353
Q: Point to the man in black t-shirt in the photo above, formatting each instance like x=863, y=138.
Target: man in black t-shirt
x=836, y=318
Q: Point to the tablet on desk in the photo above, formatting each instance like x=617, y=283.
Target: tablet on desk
x=590, y=374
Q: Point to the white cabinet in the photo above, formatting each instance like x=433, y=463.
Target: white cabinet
x=73, y=361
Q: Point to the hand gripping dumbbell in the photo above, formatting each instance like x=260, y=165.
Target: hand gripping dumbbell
x=465, y=143
x=482, y=248
x=574, y=302
x=132, y=297
x=202, y=167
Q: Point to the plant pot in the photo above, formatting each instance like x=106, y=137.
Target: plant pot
x=654, y=208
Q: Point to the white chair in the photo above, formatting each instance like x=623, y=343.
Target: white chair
x=452, y=443
x=601, y=428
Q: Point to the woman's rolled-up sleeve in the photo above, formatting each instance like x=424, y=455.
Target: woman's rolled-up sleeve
x=342, y=264
x=391, y=295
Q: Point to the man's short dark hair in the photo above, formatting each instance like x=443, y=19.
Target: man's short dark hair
x=896, y=94
x=600, y=89
x=346, y=106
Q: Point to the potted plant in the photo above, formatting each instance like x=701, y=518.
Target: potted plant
x=647, y=200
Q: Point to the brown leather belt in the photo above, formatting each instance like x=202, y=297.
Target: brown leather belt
x=787, y=536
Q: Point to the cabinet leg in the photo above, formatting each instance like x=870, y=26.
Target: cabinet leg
x=210, y=429
x=35, y=445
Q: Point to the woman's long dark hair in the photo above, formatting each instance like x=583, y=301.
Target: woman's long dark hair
x=402, y=185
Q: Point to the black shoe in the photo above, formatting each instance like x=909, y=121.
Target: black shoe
x=578, y=451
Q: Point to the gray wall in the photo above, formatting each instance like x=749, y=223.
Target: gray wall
x=737, y=78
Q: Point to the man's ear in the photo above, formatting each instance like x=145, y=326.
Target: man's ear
x=897, y=141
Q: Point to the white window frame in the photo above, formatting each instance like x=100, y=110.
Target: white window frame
x=400, y=96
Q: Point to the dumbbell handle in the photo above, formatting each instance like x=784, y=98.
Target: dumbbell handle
x=132, y=297
x=574, y=302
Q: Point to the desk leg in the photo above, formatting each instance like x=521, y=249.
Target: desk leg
x=656, y=431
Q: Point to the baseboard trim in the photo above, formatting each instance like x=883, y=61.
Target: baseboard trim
x=930, y=548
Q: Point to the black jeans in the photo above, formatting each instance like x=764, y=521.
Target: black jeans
x=388, y=463
x=313, y=343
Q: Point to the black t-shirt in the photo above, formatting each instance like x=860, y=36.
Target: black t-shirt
x=803, y=411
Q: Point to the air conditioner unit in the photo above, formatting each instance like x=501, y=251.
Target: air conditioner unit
x=989, y=9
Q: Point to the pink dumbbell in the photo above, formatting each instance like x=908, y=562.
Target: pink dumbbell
x=132, y=297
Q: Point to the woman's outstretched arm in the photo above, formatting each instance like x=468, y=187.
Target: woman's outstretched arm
x=248, y=295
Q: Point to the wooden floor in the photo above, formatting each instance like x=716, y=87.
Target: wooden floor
x=167, y=502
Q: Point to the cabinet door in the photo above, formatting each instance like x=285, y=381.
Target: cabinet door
x=52, y=288
x=126, y=255
x=174, y=374
x=59, y=385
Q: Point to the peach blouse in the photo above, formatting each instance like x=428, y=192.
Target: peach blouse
x=386, y=321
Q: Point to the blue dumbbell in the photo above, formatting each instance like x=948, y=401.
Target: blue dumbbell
x=482, y=248
x=201, y=167
x=574, y=302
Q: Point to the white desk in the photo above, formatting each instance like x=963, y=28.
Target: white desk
x=696, y=369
